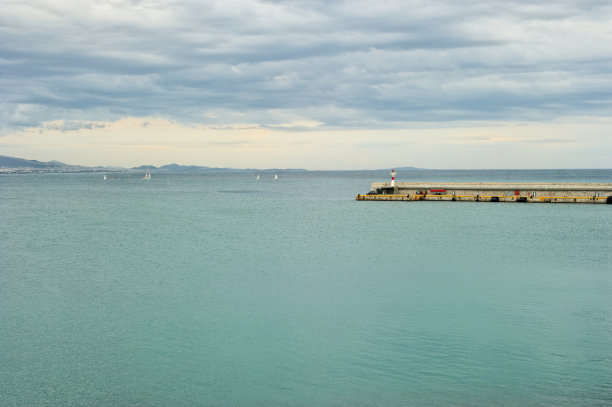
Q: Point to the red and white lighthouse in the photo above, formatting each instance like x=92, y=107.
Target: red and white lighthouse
x=392, y=178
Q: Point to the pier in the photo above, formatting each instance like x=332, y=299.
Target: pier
x=600, y=193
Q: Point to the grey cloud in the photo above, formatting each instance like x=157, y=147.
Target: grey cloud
x=72, y=125
x=377, y=64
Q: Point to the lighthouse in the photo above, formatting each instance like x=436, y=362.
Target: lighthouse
x=392, y=178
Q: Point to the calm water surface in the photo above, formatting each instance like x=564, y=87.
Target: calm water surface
x=216, y=289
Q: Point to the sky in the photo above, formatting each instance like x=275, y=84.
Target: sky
x=314, y=84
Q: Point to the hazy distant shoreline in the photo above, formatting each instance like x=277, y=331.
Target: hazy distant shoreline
x=13, y=165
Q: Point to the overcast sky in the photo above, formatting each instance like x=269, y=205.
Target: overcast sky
x=309, y=84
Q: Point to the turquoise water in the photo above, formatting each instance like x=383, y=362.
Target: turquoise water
x=218, y=290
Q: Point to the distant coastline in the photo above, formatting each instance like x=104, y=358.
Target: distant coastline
x=13, y=165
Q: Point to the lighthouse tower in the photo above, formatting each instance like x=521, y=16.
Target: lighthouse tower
x=392, y=178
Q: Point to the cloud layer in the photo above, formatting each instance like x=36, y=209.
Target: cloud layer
x=303, y=65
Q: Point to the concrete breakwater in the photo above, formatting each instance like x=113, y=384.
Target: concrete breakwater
x=489, y=192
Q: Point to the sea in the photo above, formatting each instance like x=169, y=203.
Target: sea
x=218, y=289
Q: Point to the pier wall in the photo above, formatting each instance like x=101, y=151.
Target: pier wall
x=490, y=192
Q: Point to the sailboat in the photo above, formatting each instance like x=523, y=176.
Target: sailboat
x=257, y=176
x=105, y=176
x=275, y=177
x=147, y=174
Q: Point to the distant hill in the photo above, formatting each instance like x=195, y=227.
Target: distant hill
x=21, y=165
x=190, y=168
x=13, y=165
x=177, y=168
x=199, y=168
x=406, y=168
x=144, y=167
x=12, y=162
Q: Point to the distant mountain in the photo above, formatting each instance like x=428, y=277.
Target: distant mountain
x=199, y=168
x=407, y=168
x=13, y=165
x=12, y=162
x=177, y=168
x=190, y=168
x=144, y=168
x=19, y=165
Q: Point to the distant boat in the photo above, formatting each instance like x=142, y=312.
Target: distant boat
x=105, y=176
x=257, y=176
x=275, y=177
x=147, y=175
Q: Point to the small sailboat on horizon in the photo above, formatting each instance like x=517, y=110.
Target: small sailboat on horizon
x=147, y=174
x=275, y=177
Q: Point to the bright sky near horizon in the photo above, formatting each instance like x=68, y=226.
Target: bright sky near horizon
x=311, y=84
